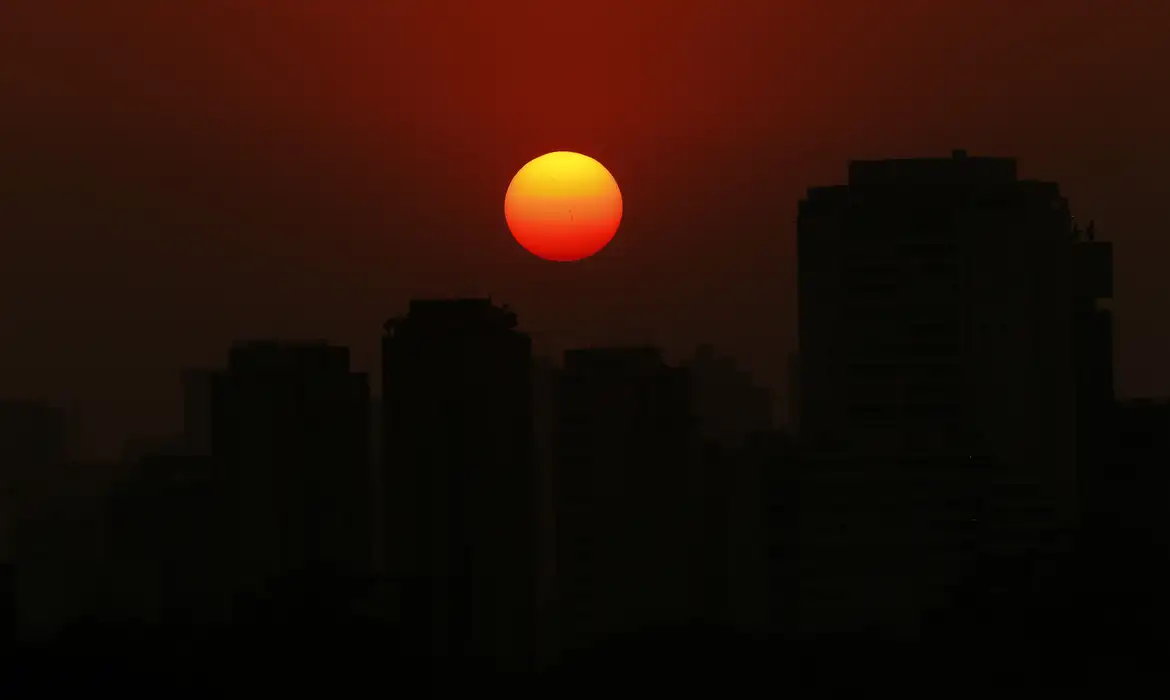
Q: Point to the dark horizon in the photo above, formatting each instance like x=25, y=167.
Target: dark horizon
x=82, y=422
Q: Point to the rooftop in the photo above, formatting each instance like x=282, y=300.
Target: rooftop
x=287, y=355
x=959, y=169
x=455, y=312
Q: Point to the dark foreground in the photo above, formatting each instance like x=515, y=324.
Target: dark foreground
x=355, y=660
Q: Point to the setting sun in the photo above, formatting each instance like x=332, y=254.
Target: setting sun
x=563, y=206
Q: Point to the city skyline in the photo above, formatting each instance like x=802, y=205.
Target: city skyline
x=290, y=171
x=546, y=345
x=961, y=476
x=317, y=376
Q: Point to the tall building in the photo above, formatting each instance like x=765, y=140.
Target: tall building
x=733, y=417
x=729, y=405
x=32, y=445
x=545, y=374
x=792, y=399
x=938, y=308
x=1126, y=547
x=1093, y=358
x=169, y=548
x=290, y=431
x=943, y=309
x=8, y=608
x=58, y=547
x=197, y=410
x=628, y=515
x=458, y=472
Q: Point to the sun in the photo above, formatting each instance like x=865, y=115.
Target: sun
x=563, y=206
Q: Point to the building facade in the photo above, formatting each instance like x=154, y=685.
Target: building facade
x=290, y=436
x=460, y=495
x=629, y=512
x=943, y=315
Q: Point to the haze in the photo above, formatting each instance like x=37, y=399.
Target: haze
x=177, y=175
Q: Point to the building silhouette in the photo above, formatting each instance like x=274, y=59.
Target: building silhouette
x=728, y=403
x=733, y=419
x=937, y=299
x=1096, y=407
x=779, y=491
x=792, y=398
x=945, y=306
x=196, y=389
x=8, y=608
x=629, y=510
x=1137, y=486
x=458, y=472
x=1126, y=543
x=545, y=376
x=139, y=447
x=58, y=545
x=170, y=547
x=290, y=435
x=32, y=446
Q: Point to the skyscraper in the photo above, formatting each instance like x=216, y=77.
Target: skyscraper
x=8, y=606
x=729, y=405
x=32, y=449
x=628, y=516
x=937, y=315
x=197, y=410
x=733, y=420
x=169, y=547
x=460, y=493
x=942, y=307
x=290, y=431
x=545, y=374
x=1093, y=360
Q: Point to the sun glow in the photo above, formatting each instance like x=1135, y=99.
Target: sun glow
x=563, y=206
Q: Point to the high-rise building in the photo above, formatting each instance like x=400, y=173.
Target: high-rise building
x=169, y=546
x=1093, y=361
x=628, y=516
x=32, y=449
x=792, y=399
x=458, y=476
x=729, y=405
x=197, y=410
x=545, y=374
x=290, y=432
x=733, y=417
x=58, y=546
x=8, y=607
x=1126, y=543
x=943, y=309
x=938, y=307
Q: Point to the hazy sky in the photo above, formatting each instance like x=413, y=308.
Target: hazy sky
x=175, y=175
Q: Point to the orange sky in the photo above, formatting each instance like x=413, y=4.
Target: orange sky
x=176, y=174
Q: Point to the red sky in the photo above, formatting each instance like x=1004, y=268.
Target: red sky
x=177, y=174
